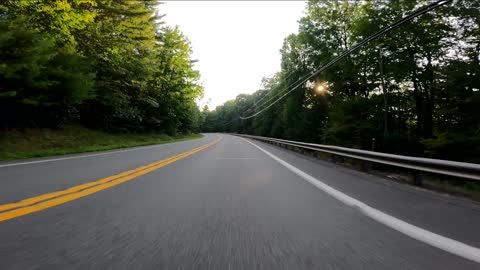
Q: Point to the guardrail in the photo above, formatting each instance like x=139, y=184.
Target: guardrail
x=418, y=165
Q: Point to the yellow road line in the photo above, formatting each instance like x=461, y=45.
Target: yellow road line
x=48, y=200
x=52, y=195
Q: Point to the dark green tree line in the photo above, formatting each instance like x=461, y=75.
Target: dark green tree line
x=105, y=64
x=430, y=70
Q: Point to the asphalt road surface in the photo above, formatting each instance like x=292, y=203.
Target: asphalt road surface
x=226, y=204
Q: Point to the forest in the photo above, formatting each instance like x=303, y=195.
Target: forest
x=414, y=91
x=106, y=65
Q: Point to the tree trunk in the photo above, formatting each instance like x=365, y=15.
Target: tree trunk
x=429, y=100
x=417, y=95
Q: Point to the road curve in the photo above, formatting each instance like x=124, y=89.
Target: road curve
x=227, y=206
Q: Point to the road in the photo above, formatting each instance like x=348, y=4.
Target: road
x=227, y=205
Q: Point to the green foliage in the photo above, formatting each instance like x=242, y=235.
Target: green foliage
x=431, y=72
x=39, y=85
x=60, y=19
x=73, y=139
x=354, y=122
x=106, y=64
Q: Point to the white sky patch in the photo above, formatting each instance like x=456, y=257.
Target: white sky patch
x=237, y=43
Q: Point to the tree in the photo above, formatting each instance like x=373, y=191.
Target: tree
x=110, y=63
x=38, y=85
x=431, y=68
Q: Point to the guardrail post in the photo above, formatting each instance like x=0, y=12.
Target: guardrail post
x=365, y=165
x=418, y=167
x=418, y=178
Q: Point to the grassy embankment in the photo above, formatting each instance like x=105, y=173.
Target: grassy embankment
x=463, y=188
x=46, y=142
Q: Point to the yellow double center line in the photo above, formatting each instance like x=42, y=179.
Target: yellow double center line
x=39, y=203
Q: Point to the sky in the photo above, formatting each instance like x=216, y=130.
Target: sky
x=236, y=43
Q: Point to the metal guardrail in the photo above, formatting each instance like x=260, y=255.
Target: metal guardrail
x=419, y=165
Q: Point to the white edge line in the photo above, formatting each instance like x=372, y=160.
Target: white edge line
x=86, y=155
x=430, y=238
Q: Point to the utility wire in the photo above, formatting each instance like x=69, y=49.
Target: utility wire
x=281, y=92
x=266, y=95
x=381, y=32
x=225, y=123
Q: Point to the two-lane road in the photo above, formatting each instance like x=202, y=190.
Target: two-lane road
x=221, y=202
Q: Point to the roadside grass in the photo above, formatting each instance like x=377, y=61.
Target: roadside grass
x=31, y=143
x=465, y=188
x=444, y=184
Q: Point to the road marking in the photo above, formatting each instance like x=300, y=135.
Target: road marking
x=74, y=189
x=241, y=158
x=433, y=239
x=42, y=202
x=80, y=156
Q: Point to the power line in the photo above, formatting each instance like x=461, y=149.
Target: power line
x=381, y=32
x=266, y=95
x=275, y=95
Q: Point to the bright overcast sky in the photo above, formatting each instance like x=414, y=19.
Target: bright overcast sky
x=236, y=43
